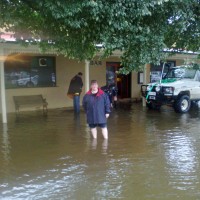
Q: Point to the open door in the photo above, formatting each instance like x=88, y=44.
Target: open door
x=123, y=82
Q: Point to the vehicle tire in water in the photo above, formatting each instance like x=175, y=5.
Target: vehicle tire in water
x=182, y=104
x=149, y=105
x=153, y=106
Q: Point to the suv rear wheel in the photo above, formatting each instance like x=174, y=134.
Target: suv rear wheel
x=182, y=104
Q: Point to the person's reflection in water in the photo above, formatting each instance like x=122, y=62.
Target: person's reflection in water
x=77, y=119
x=94, y=144
x=104, y=146
x=77, y=123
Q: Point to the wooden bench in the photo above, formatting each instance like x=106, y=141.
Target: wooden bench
x=30, y=101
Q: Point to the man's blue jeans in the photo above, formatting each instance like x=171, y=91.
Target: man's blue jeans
x=76, y=103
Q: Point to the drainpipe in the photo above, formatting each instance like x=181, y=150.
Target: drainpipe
x=87, y=75
x=2, y=85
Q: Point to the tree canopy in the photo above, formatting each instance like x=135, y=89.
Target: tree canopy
x=140, y=29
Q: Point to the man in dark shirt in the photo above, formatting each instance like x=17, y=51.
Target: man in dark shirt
x=74, y=91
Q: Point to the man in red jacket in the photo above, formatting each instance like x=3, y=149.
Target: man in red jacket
x=97, y=107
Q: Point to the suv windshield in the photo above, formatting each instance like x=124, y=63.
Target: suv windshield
x=180, y=73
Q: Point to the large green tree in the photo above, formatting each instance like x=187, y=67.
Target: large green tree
x=141, y=29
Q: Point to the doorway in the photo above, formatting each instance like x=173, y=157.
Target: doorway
x=123, y=82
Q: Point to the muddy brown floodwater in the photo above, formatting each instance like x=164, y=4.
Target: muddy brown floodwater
x=150, y=155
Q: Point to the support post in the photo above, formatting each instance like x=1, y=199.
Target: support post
x=87, y=75
x=144, y=82
x=3, y=93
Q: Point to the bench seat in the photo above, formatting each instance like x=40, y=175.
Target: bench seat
x=30, y=101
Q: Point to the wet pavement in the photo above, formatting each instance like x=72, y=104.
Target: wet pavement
x=149, y=155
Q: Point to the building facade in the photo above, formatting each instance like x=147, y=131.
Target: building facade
x=27, y=71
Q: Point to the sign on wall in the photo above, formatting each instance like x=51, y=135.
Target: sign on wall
x=95, y=63
x=30, y=71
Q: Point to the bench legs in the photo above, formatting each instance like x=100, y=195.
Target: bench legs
x=45, y=111
x=17, y=111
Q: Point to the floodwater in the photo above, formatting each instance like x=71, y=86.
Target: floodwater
x=150, y=155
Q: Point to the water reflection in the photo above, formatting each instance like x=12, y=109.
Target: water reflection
x=5, y=143
x=104, y=145
x=5, y=151
x=94, y=144
x=149, y=155
x=181, y=160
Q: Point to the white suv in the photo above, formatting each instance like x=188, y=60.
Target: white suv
x=179, y=87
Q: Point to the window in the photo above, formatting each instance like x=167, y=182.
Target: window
x=181, y=73
x=29, y=71
x=156, y=70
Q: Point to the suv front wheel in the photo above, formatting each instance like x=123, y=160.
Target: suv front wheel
x=182, y=104
x=151, y=105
